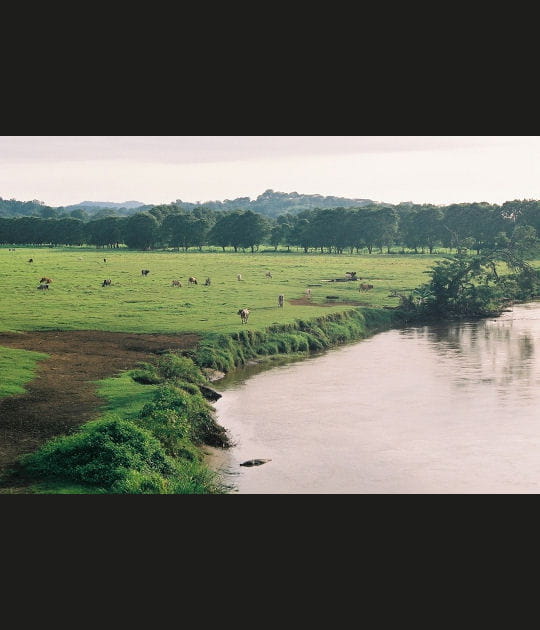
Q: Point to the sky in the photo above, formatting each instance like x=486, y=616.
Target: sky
x=64, y=170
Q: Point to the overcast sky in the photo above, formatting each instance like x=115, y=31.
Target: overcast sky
x=63, y=170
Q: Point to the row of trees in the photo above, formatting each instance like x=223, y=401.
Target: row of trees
x=420, y=228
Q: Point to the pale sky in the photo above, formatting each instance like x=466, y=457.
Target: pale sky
x=63, y=170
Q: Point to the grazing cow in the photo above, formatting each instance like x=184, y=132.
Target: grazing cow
x=365, y=287
x=46, y=280
x=106, y=283
x=239, y=276
x=43, y=286
x=280, y=300
x=192, y=280
x=104, y=260
x=308, y=294
x=30, y=260
x=145, y=272
x=176, y=283
x=267, y=275
x=207, y=282
x=351, y=274
x=244, y=314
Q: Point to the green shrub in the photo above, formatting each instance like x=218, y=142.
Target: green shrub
x=175, y=416
x=174, y=367
x=101, y=453
x=146, y=374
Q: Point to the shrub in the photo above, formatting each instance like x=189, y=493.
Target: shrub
x=173, y=367
x=176, y=416
x=101, y=453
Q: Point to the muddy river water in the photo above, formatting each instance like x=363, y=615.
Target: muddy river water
x=451, y=408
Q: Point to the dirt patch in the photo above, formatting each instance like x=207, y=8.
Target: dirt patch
x=63, y=394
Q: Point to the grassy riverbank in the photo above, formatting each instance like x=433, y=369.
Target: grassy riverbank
x=149, y=434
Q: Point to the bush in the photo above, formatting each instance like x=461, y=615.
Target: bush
x=101, y=453
x=176, y=416
x=173, y=367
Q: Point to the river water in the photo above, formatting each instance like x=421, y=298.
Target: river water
x=451, y=408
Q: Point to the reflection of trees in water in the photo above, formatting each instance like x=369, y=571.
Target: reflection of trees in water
x=485, y=351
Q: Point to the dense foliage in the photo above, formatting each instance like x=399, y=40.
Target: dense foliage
x=417, y=228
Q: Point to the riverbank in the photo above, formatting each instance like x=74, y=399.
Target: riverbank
x=184, y=400
x=449, y=407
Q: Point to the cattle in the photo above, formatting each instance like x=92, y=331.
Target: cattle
x=239, y=276
x=176, y=283
x=145, y=272
x=106, y=283
x=46, y=280
x=280, y=300
x=104, y=260
x=43, y=286
x=192, y=280
x=308, y=294
x=351, y=274
x=207, y=282
x=267, y=275
x=244, y=314
x=365, y=287
x=30, y=260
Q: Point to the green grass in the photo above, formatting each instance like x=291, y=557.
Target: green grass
x=77, y=301
x=17, y=367
x=124, y=397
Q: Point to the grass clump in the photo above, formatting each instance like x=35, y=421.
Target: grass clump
x=17, y=367
x=101, y=453
x=178, y=417
x=114, y=456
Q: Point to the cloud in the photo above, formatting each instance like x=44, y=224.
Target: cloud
x=201, y=149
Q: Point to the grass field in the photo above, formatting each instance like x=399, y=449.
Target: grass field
x=135, y=303
x=17, y=367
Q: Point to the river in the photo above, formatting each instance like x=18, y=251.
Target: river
x=450, y=408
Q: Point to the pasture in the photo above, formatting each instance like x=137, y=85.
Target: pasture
x=76, y=299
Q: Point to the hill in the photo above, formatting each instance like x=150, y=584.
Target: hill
x=272, y=203
x=98, y=205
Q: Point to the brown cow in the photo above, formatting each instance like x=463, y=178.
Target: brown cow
x=176, y=283
x=267, y=275
x=244, y=314
x=365, y=287
x=192, y=280
x=46, y=280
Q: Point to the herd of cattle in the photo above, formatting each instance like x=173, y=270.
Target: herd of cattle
x=243, y=312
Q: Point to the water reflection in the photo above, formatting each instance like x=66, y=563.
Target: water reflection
x=426, y=409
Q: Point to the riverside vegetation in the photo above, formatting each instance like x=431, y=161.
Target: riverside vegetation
x=157, y=417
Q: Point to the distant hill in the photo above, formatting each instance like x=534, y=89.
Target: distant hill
x=97, y=205
x=271, y=203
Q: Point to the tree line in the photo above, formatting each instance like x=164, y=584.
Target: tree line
x=419, y=228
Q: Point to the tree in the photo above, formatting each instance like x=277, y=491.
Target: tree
x=141, y=231
x=253, y=229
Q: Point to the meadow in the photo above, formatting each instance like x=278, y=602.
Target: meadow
x=150, y=304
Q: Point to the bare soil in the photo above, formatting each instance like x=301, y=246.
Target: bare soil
x=63, y=394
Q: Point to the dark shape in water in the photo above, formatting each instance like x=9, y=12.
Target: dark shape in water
x=255, y=462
